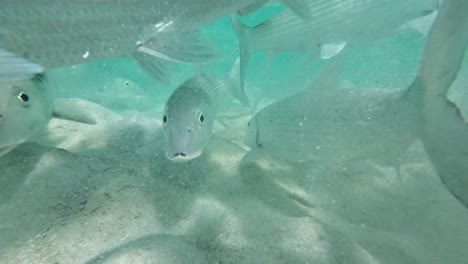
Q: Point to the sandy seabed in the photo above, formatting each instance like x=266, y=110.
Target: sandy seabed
x=105, y=193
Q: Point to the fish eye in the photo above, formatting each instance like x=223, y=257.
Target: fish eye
x=23, y=97
x=164, y=118
x=202, y=118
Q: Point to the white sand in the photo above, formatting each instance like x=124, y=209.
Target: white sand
x=106, y=194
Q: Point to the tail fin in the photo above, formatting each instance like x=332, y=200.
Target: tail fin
x=445, y=133
x=244, y=48
x=234, y=84
x=14, y=68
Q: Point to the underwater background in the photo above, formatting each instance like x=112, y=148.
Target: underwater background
x=104, y=192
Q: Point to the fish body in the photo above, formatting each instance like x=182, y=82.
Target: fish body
x=336, y=125
x=445, y=131
x=341, y=125
x=57, y=33
x=25, y=109
x=188, y=119
x=331, y=27
x=191, y=110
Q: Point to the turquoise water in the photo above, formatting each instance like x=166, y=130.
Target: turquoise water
x=103, y=191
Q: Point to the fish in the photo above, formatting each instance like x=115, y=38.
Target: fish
x=445, y=131
x=27, y=106
x=25, y=110
x=332, y=26
x=333, y=127
x=37, y=36
x=192, y=108
x=325, y=122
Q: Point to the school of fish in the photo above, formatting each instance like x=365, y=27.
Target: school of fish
x=35, y=38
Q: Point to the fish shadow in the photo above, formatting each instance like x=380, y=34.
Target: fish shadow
x=16, y=166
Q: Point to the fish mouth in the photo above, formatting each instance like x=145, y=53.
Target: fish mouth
x=182, y=156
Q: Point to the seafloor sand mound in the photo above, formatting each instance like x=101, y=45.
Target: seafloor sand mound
x=105, y=194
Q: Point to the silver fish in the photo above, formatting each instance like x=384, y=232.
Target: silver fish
x=25, y=109
x=35, y=35
x=191, y=110
x=445, y=131
x=332, y=25
x=330, y=125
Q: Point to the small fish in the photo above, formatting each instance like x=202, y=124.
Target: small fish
x=25, y=109
x=191, y=110
x=35, y=36
x=332, y=26
x=325, y=123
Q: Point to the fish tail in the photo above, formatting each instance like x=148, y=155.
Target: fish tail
x=14, y=68
x=233, y=82
x=244, y=48
x=157, y=68
x=444, y=131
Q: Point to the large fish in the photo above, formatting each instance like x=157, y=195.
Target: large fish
x=25, y=109
x=332, y=25
x=445, y=131
x=191, y=110
x=325, y=121
x=41, y=35
x=338, y=126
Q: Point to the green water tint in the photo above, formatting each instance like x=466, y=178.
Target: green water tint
x=106, y=193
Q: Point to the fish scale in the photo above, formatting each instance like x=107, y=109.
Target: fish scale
x=349, y=21
x=331, y=26
x=57, y=33
x=191, y=110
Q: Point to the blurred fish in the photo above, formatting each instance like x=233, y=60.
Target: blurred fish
x=35, y=36
x=332, y=26
x=191, y=110
x=27, y=106
x=444, y=131
x=25, y=109
x=325, y=123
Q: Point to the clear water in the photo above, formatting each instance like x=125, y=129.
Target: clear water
x=105, y=193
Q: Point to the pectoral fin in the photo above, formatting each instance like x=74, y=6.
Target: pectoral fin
x=183, y=47
x=423, y=24
x=157, y=68
x=330, y=50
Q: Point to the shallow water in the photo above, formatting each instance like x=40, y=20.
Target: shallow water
x=105, y=193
